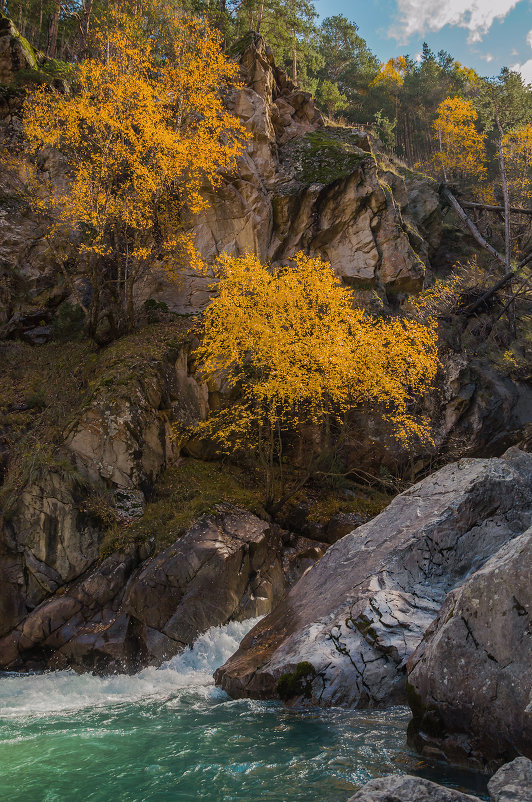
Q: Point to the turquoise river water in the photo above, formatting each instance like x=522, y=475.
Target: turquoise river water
x=168, y=735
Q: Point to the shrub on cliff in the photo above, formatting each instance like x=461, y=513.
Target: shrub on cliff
x=295, y=353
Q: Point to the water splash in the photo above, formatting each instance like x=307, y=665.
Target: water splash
x=67, y=692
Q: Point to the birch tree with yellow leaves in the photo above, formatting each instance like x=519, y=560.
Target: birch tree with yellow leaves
x=142, y=135
x=293, y=350
x=461, y=147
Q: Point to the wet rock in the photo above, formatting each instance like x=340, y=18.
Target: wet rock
x=360, y=612
x=513, y=782
x=470, y=679
x=135, y=609
x=408, y=789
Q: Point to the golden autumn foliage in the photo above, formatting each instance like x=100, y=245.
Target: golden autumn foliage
x=290, y=344
x=142, y=136
x=517, y=148
x=461, y=148
x=391, y=73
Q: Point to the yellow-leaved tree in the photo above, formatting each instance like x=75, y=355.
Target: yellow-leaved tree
x=292, y=350
x=460, y=146
x=142, y=134
x=517, y=149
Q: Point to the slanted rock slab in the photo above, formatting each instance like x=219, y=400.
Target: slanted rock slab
x=360, y=612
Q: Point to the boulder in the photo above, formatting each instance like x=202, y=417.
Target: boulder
x=399, y=788
x=15, y=52
x=137, y=609
x=124, y=436
x=470, y=679
x=512, y=782
x=360, y=612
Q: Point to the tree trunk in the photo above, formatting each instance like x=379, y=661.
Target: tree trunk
x=507, y=230
x=294, y=59
x=85, y=23
x=472, y=227
x=53, y=30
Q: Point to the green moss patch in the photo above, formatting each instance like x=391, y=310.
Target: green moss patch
x=182, y=495
x=324, y=156
x=296, y=684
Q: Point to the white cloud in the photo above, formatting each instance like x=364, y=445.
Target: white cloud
x=526, y=68
x=477, y=16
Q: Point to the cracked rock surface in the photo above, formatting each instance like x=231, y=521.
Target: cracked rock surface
x=361, y=611
x=470, y=679
x=135, y=609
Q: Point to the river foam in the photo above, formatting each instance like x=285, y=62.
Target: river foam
x=59, y=692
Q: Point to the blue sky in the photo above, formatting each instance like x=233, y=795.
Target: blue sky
x=483, y=34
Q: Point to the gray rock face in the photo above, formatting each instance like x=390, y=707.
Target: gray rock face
x=360, y=612
x=513, y=782
x=303, y=186
x=136, y=610
x=408, y=789
x=470, y=680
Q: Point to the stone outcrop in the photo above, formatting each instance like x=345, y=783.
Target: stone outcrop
x=135, y=609
x=16, y=53
x=301, y=185
x=118, y=445
x=360, y=612
x=470, y=679
x=47, y=542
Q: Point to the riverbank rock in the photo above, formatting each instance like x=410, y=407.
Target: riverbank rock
x=513, y=782
x=470, y=679
x=135, y=609
x=399, y=788
x=357, y=615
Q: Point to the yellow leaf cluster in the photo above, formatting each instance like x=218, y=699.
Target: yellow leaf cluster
x=461, y=148
x=517, y=148
x=391, y=73
x=292, y=345
x=138, y=133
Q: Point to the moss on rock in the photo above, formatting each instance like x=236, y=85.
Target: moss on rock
x=298, y=683
x=325, y=155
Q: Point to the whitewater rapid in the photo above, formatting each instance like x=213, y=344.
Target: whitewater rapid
x=59, y=692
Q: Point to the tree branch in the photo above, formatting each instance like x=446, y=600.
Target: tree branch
x=472, y=227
